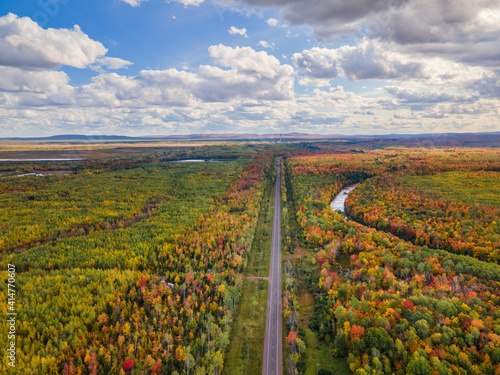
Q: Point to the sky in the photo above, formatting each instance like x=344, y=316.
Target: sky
x=157, y=67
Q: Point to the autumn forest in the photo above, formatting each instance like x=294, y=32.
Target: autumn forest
x=155, y=260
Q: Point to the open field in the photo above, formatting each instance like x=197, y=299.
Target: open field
x=469, y=187
x=455, y=211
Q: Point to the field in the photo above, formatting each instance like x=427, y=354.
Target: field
x=469, y=187
x=455, y=211
x=131, y=262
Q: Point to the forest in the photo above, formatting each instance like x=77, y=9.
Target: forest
x=137, y=269
x=135, y=263
x=423, y=291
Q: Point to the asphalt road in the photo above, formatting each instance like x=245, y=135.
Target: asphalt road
x=273, y=351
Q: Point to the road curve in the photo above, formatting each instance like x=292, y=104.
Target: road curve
x=273, y=351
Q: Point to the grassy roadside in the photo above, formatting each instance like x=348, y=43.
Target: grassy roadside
x=245, y=356
x=248, y=331
x=259, y=258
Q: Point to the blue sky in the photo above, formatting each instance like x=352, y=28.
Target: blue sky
x=215, y=66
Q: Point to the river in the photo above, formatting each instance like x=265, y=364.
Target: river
x=343, y=266
x=338, y=203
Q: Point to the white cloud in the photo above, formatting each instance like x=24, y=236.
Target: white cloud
x=43, y=82
x=319, y=66
x=265, y=44
x=113, y=63
x=188, y=2
x=248, y=60
x=235, y=31
x=134, y=3
x=150, y=87
x=25, y=44
x=252, y=76
x=273, y=22
x=367, y=60
x=338, y=100
x=222, y=85
x=370, y=60
x=423, y=78
x=419, y=100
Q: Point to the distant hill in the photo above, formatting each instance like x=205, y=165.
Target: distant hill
x=73, y=137
x=250, y=136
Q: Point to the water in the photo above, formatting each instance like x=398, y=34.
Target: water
x=30, y=174
x=45, y=173
x=202, y=161
x=21, y=160
x=338, y=203
x=343, y=266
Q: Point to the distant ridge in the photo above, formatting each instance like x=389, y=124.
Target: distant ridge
x=72, y=137
x=246, y=136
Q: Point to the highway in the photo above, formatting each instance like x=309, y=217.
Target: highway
x=273, y=351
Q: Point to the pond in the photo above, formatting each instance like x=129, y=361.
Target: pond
x=201, y=160
x=45, y=173
x=342, y=265
x=31, y=160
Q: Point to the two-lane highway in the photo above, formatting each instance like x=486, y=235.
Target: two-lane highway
x=273, y=353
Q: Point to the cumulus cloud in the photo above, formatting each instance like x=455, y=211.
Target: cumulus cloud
x=243, y=88
x=251, y=76
x=25, y=44
x=320, y=65
x=338, y=99
x=235, y=31
x=168, y=87
x=367, y=60
x=247, y=60
x=413, y=97
x=462, y=30
x=223, y=85
x=488, y=86
x=43, y=82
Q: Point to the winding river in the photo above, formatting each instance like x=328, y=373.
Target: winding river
x=338, y=203
x=343, y=266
